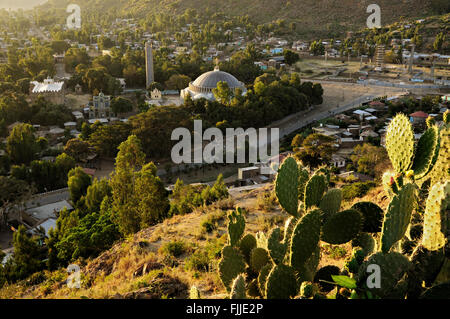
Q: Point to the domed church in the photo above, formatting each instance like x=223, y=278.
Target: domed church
x=203, y=86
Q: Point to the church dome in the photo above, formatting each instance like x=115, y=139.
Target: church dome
x=210, y=79
x=204, y=85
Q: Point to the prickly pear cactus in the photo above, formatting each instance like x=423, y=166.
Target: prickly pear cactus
x=331, y=202
x=400, y=143
x=259, y=257
x=314, y=190
x=236, y=226
x=366, y=242
x=286, y=186
x=277, y=248
x=397, y=217
x=303, y=178
x=426, y=150
x=373, y=216
x=281, y=283
x=261, y=240
x=307, y=270
x=305, y=238
x=434, y=222
x=342, y=227
x=289, y=226
x=441, y=168
x=253, y=289
x=441, y=291
x=262, y=278
x=307, y=289
x=247, y=243
x=392, y=267
x=194, y=293
x=231, y=265
x=238, y=288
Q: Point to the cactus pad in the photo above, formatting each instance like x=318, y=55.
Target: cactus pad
x=286, y=186
x=400, y=143
x=331, y=202
x=307, y=289
x=262, y=277
x=314, y=190
x=435, y=216
x=441, y=291
x=259, y=257
x=373, y=216
x=342, y=227
x=194, y=293
x=303, y=178
x=392, y=265
x=247, y=243
x=308, y=269
x=277, y=248
x=426, y=150
x=231, y=265
x=397, y=217
x=236, y=226
x=261, y=240
x=366, y=242
x=441, y=168
x=305, y=238
x=238, y=288
x=281, y=283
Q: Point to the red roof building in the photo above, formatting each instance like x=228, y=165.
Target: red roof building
x=419, y=114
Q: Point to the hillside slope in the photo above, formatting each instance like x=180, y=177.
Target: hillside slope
x=142, y=267
x=310, y=15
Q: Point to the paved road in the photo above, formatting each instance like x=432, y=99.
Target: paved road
x=299, y=120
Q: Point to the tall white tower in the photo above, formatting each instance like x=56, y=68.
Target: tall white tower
x=150, y=77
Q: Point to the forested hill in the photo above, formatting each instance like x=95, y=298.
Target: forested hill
x=309, y=15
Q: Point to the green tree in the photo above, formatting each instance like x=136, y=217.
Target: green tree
x=222, y=93
x=316, y=149
x=77, y=148
x=78, y=183
x=121, y=105
x=27, y=257
x=290, y=57
x=96, y=193
x=21, y=144
x=370, y=160
x=124, y=206
x=177, y=82
x=152, y=196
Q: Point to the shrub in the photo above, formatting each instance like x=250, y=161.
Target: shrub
x=173, y=248
x=357, y=190
x=198, y=261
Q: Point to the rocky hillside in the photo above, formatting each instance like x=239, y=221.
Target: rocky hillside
x=165, y=260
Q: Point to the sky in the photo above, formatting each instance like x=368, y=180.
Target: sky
x=16, y=4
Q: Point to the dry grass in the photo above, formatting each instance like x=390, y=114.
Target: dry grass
x=113, y=272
